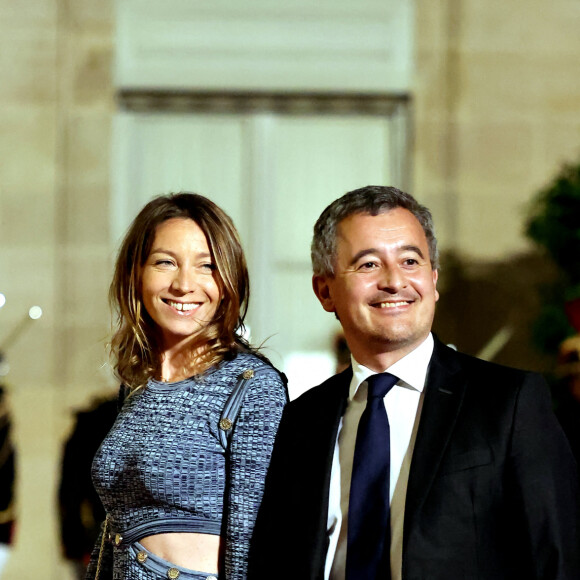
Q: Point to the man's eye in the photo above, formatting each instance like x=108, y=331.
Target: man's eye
x=410, y=262
x=367, y=266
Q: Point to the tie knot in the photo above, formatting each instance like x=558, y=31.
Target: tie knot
x=379, y=385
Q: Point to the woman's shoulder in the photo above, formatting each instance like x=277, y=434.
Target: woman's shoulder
x=249, y=365
x=255, y=381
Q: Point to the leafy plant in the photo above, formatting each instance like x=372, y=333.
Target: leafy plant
x=555, y=221
x=554, y=225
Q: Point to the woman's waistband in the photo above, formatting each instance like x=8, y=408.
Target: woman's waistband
x=166, y=525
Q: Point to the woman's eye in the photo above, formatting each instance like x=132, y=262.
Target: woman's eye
x=209, y=267
x=163, y=263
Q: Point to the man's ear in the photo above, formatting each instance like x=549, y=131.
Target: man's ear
x=435, y=278
x=321, y=287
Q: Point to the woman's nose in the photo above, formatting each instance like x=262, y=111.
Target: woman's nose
x=184, y=281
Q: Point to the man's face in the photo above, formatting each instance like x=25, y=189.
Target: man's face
x=384, y=289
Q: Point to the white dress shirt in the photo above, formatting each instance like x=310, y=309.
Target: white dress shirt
x=403, y=405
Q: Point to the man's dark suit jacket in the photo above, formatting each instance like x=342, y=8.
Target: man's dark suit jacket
x=492, y=491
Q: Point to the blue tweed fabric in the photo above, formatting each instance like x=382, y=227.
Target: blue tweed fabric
x=162, y=467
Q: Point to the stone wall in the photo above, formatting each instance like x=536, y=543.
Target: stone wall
x=497, y=112
x=55, y=112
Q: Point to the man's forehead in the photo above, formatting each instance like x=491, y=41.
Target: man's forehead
x=390, y=222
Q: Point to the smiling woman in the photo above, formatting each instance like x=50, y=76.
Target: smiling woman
x=181, y=498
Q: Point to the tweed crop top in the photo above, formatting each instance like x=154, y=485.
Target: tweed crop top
x=162, y=468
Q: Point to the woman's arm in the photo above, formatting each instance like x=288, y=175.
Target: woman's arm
x=250, y=452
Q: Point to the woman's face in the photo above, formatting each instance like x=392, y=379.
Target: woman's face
x=179, y=284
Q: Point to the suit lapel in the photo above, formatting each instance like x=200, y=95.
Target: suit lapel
x=336, y=407
x=320, y=413
x=319, y=416
x=327, y=427
x=443, y=399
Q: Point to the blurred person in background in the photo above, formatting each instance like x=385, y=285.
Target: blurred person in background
x=567, y=391
x=7, y=478
x=181, y=473
x=341, y=352
x=80, y=509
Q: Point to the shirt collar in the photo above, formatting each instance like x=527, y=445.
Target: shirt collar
x=411, y=370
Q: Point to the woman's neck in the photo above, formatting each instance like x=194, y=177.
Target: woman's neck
x=180, y=363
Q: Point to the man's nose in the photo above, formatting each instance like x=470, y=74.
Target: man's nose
x=392, y=280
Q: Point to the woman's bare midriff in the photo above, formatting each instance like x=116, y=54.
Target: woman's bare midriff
x=194, y=551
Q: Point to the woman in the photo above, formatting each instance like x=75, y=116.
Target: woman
x=181, y=497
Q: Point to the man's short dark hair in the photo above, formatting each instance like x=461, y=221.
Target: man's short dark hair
x=372, y=200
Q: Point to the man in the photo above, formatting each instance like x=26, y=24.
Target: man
x=479, y=482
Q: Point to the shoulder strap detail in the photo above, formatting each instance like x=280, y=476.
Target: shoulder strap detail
x=234, y=403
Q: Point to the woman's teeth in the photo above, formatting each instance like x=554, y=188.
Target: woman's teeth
x=182, y=306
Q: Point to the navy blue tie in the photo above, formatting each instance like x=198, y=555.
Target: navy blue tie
x=369, y=531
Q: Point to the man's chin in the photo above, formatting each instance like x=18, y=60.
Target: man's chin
x=394, y=341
